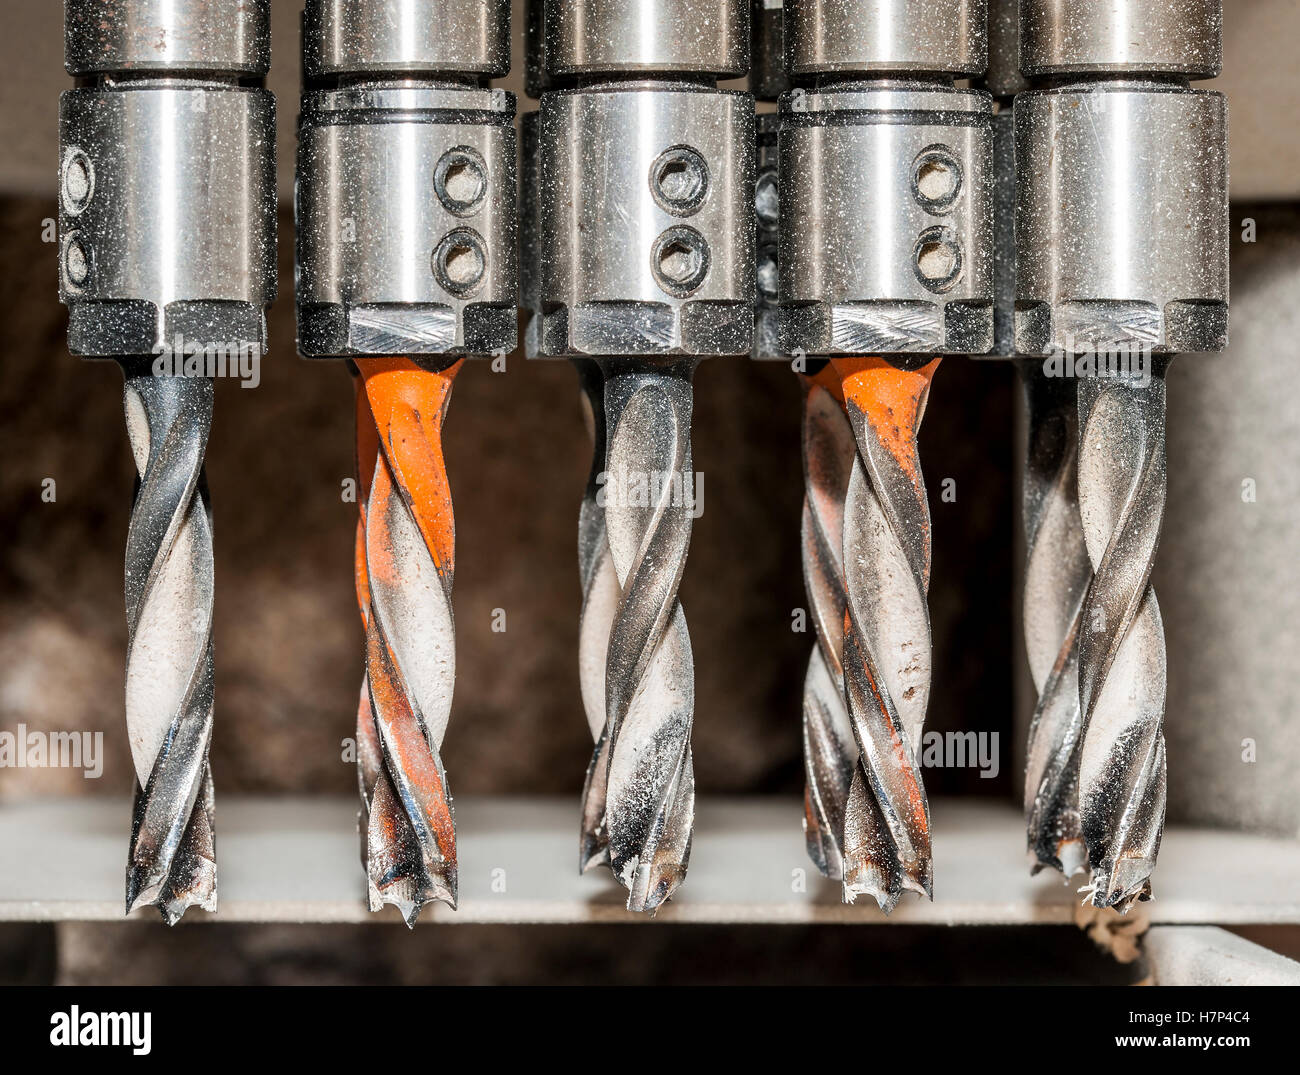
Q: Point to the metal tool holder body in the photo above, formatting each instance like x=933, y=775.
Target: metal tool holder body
x=886, y=180
x=886, y=260
x=1121, y=262
x=406, y=179
x=407, y=262
x=167, y=263
x=640, y=178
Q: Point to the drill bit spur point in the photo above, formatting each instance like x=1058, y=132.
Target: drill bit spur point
x=405, y=212
x=1113, y=304
x=405, y=570
x=644, y=267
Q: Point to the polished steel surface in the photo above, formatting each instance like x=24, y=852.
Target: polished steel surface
x=1122, y=218
x=829, y=37
x=167, y=215
x=649, y=241
x=1182, y=37
x=886, y=221
x=406, y=221
x=456, y=37
x=130, y=37
x=700, y=37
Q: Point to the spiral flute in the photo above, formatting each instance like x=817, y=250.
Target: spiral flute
x=650, y=673
x=600, y=595
x=405, y=570
x=830, y=750
x=886, y=654
x=1057, y=574
x=169, y=670
x=1122, y=660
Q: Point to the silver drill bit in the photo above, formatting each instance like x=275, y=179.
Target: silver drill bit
x=1115, y=273
x=1122, y=665
x=830, y=751
x=1057, y=574
x=650, y=672
x=167, y=264
x=169, y=671
x=639, y=180
x=600, y=594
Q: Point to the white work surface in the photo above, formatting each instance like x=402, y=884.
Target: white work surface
x=296, y=860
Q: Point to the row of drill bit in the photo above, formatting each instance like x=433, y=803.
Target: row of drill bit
x=640, y=260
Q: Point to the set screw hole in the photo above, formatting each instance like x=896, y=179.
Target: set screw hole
x=78, y=182
x=936, y=179
x=679, y=180
x=680, y=261
x=76, y=262
x=460, y=180
x=460, y=262
x=938, y=259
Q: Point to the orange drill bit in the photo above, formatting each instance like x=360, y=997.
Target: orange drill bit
x=405, y=565
x=884, y=847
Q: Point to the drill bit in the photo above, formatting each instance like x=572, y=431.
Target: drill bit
x=650, y=674
x=169, y=668
x=1121, y=641
x=1057, y=573
x=830, y=751
x=600, y=593
x=405, y=569
x=886, y=629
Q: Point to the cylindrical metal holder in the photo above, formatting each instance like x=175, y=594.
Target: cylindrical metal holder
x=644, y=212
x=406, y=182
x=1122, y=222
x=886, y=181
x=167, y=176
